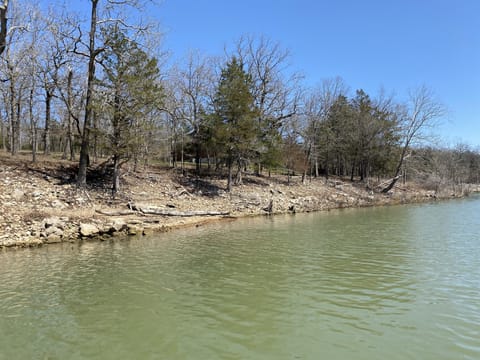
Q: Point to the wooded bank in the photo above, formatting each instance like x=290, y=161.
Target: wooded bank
x=41, y=204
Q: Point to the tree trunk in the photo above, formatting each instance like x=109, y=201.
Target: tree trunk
x=229, y=181
x=13, y=144
x=46, y=134
x=197, y=157
x=3, y=26
x=33, y=127
x=95, y=137
x=116, y=176
x=397, y=170
x=238, y=177
x=153, y=210
x=83, y=162
x=70, y=117
x=4, y=138
x=16, y=129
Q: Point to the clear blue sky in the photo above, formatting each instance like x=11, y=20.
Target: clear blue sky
x=397, y=44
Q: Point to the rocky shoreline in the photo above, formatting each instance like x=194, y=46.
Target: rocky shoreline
x=39, y=204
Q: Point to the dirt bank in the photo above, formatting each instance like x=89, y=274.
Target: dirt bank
x=40, y=204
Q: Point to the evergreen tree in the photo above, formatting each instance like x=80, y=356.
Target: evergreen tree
x=235, y=114
x=336, y=138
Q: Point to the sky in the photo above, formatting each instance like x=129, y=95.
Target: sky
x=397, y=45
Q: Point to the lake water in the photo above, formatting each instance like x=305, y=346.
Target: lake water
x=397, y=282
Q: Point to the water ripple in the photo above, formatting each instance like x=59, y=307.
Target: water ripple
x=349, y=284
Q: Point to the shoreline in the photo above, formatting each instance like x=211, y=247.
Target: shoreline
x=38, y=206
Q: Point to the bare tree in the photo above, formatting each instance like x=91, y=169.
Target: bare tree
x=193, y=88
x=112, y=14
x=93, y=52
x=316, y=132
x=418, y=116
x=15, y=62
x=52, y=58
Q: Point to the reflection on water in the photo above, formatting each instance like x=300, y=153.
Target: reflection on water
x=397, y=283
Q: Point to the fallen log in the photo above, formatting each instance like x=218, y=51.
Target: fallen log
x=115, y=212
x=152, y=210
x=383, y=184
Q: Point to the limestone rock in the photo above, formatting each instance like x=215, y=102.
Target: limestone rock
x=53, y=231
x=134, y=230
x=57, y=204
x=53, y=221
x=18, y=194
x=53, y=239
x=87, y=230
x=118, y=225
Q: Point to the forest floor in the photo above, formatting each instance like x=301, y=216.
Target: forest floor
x=40, y=203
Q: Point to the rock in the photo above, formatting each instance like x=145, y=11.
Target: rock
x=53, y=221
x=148, y=230
x=87, y=230
x=18, y=194
x=57, y=204
x=35, y=242
x=134, y=230
x=52, y=230
x=53, y=239
x=36, y=194
x=80, y=200
x=118, y=225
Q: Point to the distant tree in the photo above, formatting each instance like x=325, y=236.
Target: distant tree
x=235, y=117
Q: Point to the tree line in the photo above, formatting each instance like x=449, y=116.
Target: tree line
x=102, y=88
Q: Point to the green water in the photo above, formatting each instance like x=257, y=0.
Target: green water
x=387, y=283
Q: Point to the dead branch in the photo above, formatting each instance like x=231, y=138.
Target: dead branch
x=117, y=212
x=152, y=210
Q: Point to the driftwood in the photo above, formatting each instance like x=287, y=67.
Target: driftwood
x=115, y=212
x=152, y=210
x=388, y=182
